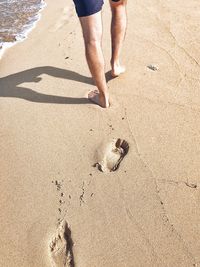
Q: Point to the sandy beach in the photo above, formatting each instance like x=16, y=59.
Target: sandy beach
x=57, y=209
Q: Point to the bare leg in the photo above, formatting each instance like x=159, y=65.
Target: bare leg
x=92, y=34
x=118, y=30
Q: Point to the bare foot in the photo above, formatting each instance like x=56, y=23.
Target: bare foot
x=99, y=99
x=117, y=69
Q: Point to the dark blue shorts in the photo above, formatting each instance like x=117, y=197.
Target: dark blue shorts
x=87, y=7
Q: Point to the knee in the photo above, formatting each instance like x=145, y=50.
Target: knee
x=92, y=40
x=92, y=47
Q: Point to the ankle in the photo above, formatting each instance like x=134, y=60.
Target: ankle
x=104, y=99
x=103, y=94
x=115, y=62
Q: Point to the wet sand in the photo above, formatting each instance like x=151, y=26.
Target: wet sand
x=147, y=212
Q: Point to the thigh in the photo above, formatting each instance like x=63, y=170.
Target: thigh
x=92, y=27
x=115, y=3
x=88, y=7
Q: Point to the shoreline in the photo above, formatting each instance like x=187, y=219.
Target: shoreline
x=51, y=136
x=25, y=33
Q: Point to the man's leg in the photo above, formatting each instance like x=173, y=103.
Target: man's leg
x=92, y=33
x=118, y=30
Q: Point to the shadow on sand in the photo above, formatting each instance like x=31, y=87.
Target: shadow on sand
x=9, y=85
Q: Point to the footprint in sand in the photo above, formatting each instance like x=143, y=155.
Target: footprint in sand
x=61, y=247
x=111, y=154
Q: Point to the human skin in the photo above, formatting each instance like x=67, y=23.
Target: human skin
x=92, y=34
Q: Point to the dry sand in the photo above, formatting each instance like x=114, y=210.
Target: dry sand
x=147, y=212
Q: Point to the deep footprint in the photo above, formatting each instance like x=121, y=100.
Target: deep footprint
x=111, y=154
x=61, y=247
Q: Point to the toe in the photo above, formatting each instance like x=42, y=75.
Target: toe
x=92, y=94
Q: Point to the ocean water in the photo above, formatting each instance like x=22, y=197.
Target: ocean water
x=17, y=18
